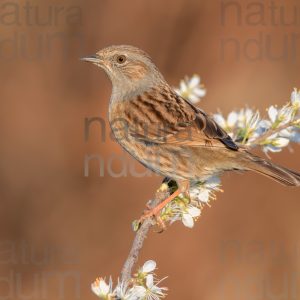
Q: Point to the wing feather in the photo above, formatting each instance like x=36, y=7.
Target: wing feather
x=165, y=117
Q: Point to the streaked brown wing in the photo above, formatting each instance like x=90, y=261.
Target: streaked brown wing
x=212, y=130
x=164, y=117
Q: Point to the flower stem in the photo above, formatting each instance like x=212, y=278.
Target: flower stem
x=259, y=140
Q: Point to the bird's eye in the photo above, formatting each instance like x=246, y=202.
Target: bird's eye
x=121, y=59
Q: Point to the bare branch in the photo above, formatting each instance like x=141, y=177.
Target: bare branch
x=139, y=239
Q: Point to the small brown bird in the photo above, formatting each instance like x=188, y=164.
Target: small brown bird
x=167, y=133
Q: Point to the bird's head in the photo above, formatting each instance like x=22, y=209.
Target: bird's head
x=130, y=69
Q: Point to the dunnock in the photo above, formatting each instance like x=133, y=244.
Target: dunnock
x=167, y=133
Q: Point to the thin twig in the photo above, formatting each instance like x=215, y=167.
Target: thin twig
x=139, y=240
x=269, y=133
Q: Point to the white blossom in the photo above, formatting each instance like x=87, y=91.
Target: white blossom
x=191, y=89
x=142, y=286
x=200, y=194
x=153, y=291
x=121, y=291
x=245, y=116
x=240, y=125
x=280, y=116
x=229, y=124
x=101, y=288
x=137, y=292
x=203, y=192
x=275, y=143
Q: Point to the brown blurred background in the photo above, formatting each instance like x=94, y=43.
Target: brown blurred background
x=60, y=229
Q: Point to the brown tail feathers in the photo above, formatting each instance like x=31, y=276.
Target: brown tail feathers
x=280, y=174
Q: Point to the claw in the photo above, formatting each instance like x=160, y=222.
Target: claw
x=161, y=225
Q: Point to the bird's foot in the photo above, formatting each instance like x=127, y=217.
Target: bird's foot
x=155, y=212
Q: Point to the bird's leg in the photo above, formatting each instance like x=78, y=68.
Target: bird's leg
x=154, y=211
x=183, y=187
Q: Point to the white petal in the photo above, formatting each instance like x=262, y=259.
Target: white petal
x=136, y=293
x=295, y=97
x=264, y=124
x=253, y=122
x=104, y=287
x=271, y=148
x=183, y=87
x=120, y=290
x=149, y=266
x=280, y=142
x=187, y=220
x=194, y=81
x=194, y=211
x=241, y=116
x=95, y=289
x=220, y=120
x=248, y=114
x=286, y=133
x=203, y=195
x=273, y=112
x=199, y=92
x=149, y=281
x=286, y=114
x=244, y=116
x=193, y=98
x=101, y=288
x=232, y=119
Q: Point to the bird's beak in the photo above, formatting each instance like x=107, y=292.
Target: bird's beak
x=95, y=59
